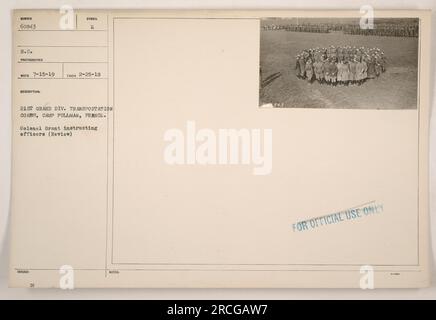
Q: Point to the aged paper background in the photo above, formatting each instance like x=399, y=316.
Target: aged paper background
x=295, y=113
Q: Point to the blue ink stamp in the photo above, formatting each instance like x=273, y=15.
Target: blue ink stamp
x=354, y=213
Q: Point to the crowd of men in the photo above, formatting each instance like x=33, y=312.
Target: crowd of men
x=342, y=65
x=400, y=30
x=385, y=29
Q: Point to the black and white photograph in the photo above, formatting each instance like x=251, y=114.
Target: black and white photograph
x=339, y=63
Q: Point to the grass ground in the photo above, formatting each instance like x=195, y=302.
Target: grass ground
x=394, y=89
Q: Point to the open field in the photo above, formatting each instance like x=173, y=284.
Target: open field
x=394, y=89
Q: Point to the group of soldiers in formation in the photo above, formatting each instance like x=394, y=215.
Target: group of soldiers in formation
x=343, y=65
x=392, y=30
